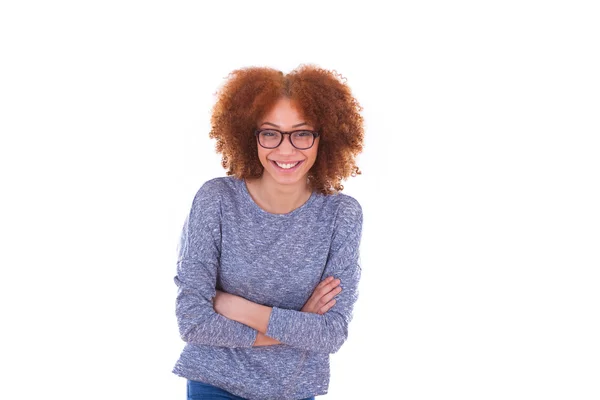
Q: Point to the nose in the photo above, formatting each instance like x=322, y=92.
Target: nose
x=286, y=146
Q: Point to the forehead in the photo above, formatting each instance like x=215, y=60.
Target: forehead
x=284, y=113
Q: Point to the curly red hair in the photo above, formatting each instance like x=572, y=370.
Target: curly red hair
x=323, y=98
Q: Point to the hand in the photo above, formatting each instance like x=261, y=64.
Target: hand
x=322, y=298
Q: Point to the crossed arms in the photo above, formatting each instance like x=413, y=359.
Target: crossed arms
x=257, y=316
x=208, y=317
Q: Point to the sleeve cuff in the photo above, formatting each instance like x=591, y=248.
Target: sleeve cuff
x=245, y=335
x=277, y=323
x=251, y=338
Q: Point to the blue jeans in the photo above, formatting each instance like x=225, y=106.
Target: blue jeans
x=203, y=391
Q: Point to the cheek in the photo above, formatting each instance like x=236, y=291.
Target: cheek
x=262, y=155
x=312, y=157
x=314, y=152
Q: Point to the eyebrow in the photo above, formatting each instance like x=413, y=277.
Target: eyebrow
x=277, y=126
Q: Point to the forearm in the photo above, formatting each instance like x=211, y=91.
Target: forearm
x=250, y=314
x=319, y=333
x=322, y=333
x=241, y=310
x=199, y=324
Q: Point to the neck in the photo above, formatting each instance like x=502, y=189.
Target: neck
x=277, y=198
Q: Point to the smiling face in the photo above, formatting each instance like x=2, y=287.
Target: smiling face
x=285, y=164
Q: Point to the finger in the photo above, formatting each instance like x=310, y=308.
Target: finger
x=326, y=288
x=327, y=297
x=324, y=282
x=327, y=307
x=330, y=286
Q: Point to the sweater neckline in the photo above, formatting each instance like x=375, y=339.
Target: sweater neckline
x=257, y=209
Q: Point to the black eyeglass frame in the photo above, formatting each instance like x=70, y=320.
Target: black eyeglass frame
x=315, y=136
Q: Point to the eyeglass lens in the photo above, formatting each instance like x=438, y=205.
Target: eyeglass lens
x=272, y=138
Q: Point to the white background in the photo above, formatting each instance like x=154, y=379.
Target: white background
x=480, y=189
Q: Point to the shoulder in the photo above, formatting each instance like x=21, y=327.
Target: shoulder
x=347, y=218
x=349, y=204
x=211, y=196
x=344, y=212
x=343, y=205
x=217, y=188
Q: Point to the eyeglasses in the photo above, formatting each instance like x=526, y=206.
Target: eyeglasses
x=272, y=138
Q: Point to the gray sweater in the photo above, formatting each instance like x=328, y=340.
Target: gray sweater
x=229, y=243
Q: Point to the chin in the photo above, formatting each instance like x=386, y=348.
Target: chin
x=288, y=180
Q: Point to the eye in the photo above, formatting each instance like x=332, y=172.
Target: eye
x=268, y=133
x=304, y=133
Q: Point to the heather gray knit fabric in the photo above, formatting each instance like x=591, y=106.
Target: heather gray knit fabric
x=229, y=243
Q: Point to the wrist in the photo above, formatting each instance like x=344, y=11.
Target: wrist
x=254, y=315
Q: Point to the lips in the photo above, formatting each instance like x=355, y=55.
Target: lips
x=286, y=166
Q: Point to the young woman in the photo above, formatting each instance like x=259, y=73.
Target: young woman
x=268, y=267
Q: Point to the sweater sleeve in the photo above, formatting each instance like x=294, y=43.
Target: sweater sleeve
x=326, y=333
x=198, y=259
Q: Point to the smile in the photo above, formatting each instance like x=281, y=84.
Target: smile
x=289, y=166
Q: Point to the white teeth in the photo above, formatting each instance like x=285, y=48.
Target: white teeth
x=287, y=166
